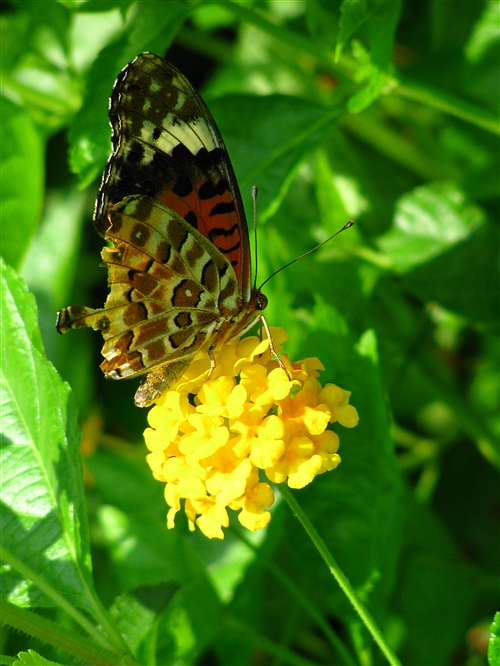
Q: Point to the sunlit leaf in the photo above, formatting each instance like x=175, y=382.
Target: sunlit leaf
x=43, y=517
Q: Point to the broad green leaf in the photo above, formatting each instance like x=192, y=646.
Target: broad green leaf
x=212, y=17
x=379, y=29
x=134, y=618
x=43, y=518
x=322, y=20
x=338, y=200
x=228, y=561
x=51, y=260
x=32, y=658
x=153, y=28
x=359, y=502
x=494, y=642
x=50, y=268
x=374, y=23
x=428, y=221
x=356, y=507
x=267, y=138
x=92, y=29
x=352, y=16
x=145, y=554
x=41, y=76
x=436, y=588
x=23, y=174
x=485, y=34
x=90, y=132
x=97, y=6
x=463, y=279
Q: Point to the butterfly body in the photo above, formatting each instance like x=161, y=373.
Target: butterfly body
x=179, y=264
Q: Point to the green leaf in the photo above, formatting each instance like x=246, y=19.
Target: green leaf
x=464, y=278
x=374, y=24
x=32, y=658
x=352, y=16
x=43, y=518
x=90, y=132
x=338, y=200
x=51, y=260
x=153, y=29
x=154, y=26
x=434, y=584
x=23, y=175
x=360, y=501
x=267, y=138
x=485, y=34
x=148, y=557
x=428, y=221
x=134, y=619
x=229, y=561
x=42, y=76
x=322, y=20
x=494, y=642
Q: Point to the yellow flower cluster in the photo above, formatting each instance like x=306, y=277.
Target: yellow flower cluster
x=211, y=435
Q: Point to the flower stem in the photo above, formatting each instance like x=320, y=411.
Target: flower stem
x=455, y=106
x=339, y=576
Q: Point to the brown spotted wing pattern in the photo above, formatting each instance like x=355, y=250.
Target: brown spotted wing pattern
x=179, y=257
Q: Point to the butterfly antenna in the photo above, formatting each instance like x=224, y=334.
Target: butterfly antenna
x=254, y=199
x=347, y=225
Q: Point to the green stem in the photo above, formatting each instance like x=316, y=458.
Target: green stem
x=339, y=576
x=373, y=131
x=294, y=39
x=54, y=634
x=449, y=104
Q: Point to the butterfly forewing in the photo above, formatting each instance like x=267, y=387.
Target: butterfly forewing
x=166, y=145
x=179, y=260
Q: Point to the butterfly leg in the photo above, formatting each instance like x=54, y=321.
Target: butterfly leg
x=212, y=363
x=272, y=348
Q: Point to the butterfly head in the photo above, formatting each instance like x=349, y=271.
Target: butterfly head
x=260, y=300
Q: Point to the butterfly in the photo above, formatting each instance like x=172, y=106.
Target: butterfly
x=179, y=255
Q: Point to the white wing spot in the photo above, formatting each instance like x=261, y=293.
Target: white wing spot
x=147, y=130
x=193, y=135
x=181, y=98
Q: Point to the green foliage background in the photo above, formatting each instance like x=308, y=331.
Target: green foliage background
x=375, y=110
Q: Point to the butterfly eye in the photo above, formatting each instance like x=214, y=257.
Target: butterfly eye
x=261, y=302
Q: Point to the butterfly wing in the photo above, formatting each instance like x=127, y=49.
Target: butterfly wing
x=179, y=265
x=166, y=145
